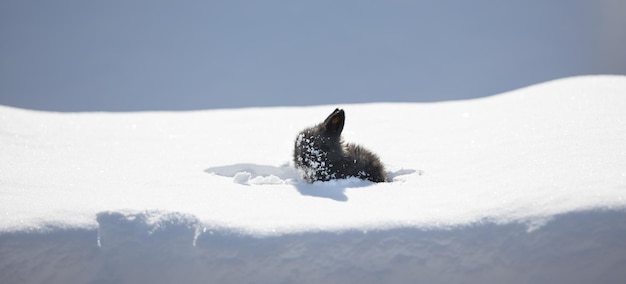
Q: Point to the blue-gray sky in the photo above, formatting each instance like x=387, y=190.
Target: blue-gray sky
x=178, y=55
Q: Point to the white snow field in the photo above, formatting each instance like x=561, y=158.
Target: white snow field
x=527, y=186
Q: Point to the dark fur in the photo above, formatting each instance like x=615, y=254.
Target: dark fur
x=321, y=154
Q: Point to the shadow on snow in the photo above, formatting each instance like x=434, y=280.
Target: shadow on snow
x=254, y=174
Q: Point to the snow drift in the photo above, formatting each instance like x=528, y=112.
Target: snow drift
x=523, y=187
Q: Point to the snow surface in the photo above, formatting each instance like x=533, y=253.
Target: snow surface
x=523, y=187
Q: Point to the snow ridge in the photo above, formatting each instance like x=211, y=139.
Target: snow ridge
x=524, y=187
x=153, y=247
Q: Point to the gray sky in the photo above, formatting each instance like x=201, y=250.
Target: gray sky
x=178, y=55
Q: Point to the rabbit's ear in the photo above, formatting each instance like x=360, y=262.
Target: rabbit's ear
x=334, y=122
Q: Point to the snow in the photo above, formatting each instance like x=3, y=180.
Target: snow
x=525, y=186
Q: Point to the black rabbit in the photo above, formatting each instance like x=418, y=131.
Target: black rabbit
x=321, y=154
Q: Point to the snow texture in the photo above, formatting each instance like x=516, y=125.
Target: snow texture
x=523, y=187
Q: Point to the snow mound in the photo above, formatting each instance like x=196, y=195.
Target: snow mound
x=257, y=174
x=533, y=180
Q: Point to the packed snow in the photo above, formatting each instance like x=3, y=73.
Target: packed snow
x=527, y=186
